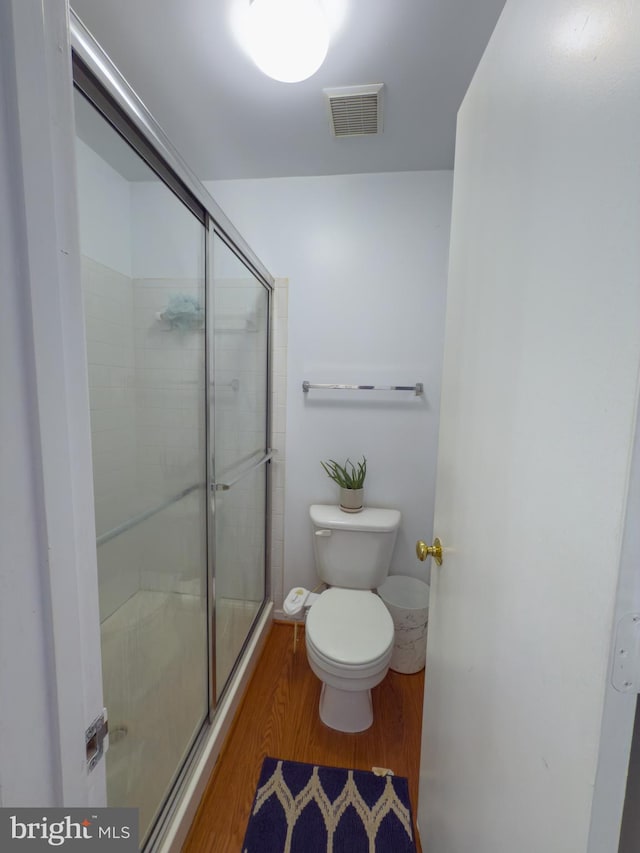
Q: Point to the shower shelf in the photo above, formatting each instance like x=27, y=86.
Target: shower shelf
x=417, y=389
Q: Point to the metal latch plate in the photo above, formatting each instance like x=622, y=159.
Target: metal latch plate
x=96, y=740
x=625, y=675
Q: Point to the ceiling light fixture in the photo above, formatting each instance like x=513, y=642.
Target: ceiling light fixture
x=287, y=39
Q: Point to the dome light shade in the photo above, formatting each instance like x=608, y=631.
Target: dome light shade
x=287, y=39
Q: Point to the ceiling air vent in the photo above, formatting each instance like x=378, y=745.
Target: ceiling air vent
x=355, y=110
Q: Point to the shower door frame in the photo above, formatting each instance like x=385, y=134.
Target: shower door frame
x=99, y=80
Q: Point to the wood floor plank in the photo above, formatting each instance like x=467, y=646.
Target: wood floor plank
x=279, y=717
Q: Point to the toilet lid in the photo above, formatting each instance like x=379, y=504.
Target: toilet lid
x=350, y=626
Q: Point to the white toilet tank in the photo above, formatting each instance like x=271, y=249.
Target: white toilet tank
x=353, y=550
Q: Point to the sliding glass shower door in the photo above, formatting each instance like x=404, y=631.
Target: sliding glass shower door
x=143, y=275
x=241, y=453
x=177, y=323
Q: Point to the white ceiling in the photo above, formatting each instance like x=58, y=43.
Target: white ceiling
x=230, y=121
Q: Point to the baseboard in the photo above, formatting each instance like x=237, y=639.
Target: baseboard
x=417, y=831
x=281, y=618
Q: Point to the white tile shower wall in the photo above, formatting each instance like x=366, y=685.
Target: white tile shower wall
x=138, y=227
x=240, y=401
x=366, y=258
x=108, y=298
x=170, y=441
x=105, y=235
x=240, y=369
x=239, y=550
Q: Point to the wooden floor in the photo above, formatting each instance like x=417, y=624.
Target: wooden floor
x=279, y=717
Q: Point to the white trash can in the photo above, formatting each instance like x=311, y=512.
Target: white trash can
x=407, y=600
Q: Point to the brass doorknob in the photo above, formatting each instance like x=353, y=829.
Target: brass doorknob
x=423, y=550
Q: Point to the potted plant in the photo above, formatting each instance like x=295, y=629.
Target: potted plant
x=350, y=478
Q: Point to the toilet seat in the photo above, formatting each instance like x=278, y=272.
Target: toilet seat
x=350, y=630
x=348, y=677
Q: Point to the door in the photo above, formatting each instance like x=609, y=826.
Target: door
x=241, y=428
x=540, y=392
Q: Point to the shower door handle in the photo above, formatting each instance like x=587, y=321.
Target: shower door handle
x=224, y=487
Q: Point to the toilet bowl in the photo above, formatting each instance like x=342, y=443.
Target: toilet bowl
x=349, y=638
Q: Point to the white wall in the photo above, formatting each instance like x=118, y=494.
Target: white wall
x=49, y=638
x=27, y=761
x=168, y=240
x=366, y=260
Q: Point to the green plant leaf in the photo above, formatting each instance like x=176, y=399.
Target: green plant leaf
x=347, y=476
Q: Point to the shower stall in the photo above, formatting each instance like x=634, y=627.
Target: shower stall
x=177, y=319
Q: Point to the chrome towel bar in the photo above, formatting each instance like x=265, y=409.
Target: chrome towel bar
x=143, y=516
x=417, y=389
x=224, y=487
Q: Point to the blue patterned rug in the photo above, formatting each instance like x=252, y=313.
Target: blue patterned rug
x=305, y=808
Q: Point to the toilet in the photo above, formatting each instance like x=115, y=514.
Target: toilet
x=349, y=631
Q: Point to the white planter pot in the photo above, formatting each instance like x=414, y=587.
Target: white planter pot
x=351, y=500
